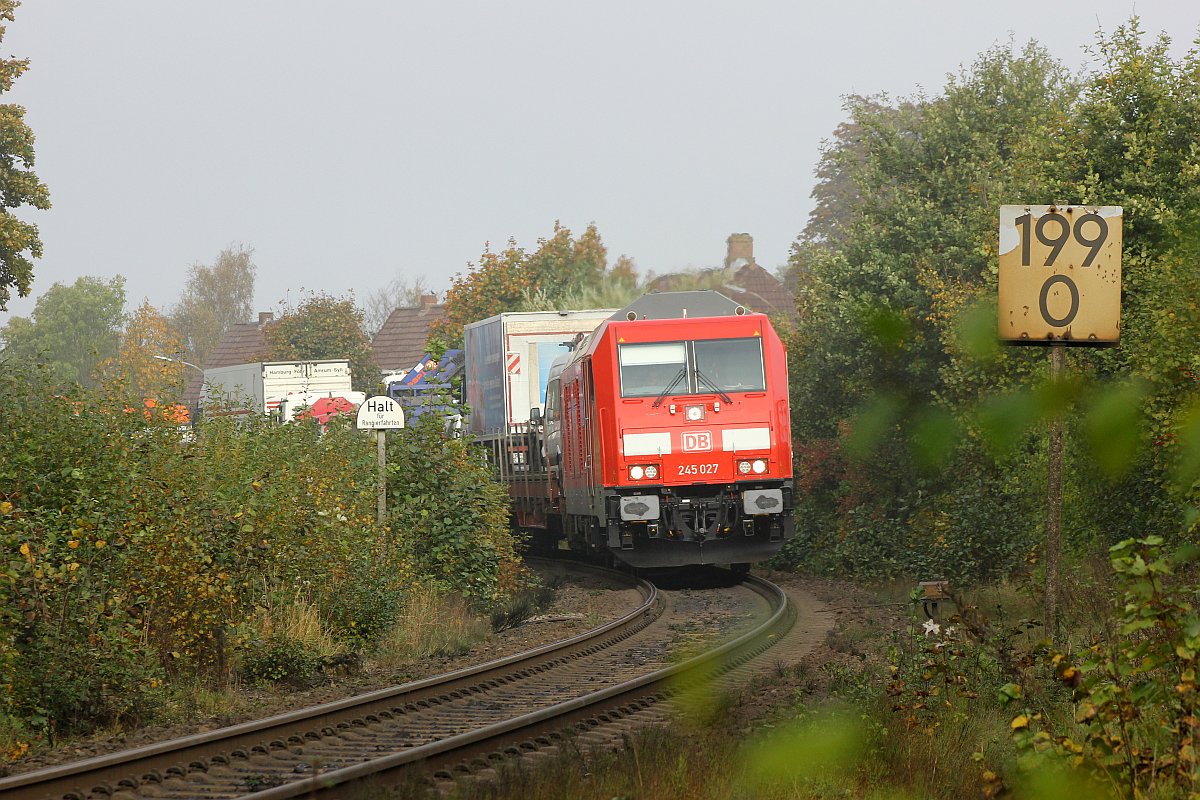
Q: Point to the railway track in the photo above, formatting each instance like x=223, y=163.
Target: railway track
x=449, y=724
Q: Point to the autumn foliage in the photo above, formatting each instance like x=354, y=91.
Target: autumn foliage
x=139, y=553
x=323, y=326
x=135, y=371
x=502, y=281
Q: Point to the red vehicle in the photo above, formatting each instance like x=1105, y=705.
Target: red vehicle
x=666, y=436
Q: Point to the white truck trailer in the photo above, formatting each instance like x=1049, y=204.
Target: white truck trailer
x=269, y=387
x=508, y=360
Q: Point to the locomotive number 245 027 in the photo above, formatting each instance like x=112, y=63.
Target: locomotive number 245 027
x=697, y=469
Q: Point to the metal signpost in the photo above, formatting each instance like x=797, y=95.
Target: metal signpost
x=380, y=413
x=1060, y=284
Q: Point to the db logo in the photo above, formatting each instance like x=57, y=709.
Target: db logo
x=697, y=441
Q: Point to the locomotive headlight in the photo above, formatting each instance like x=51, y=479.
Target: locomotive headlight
x=694, y=413
x=636, y=473
x=651, y=472
x=759, y=466
x=743, y=467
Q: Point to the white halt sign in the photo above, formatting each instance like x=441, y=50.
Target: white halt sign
x=379, y=413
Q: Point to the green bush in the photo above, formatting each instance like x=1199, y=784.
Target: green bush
x=1135, y=694
x=76, y=658
x=449, y=516
x=136, y=554
x=279, y=658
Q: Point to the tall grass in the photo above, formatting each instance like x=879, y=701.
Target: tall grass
x=294, y=617
x=431, y=623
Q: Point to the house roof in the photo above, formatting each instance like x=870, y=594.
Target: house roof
x=747, y=282
x=400, y=343
x=750, y=285
x=759, y=290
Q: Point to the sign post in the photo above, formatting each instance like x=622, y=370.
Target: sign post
x=380, y=413
x=1060, y=284
x=1054, y=456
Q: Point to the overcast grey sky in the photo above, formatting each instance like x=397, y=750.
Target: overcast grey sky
x=350, y=143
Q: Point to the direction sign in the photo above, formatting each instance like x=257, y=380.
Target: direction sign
x=1060, y=274
x=380, y=413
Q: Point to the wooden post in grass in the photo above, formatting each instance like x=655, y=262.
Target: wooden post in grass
x=1059, y=284
x=381, y=457
x=1053, y=545
x=380, y=413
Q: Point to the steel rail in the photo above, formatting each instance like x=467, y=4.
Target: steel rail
x=486, y=746
x=127, y=769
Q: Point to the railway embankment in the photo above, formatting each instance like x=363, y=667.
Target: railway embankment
x=642, y=667
x=453, y=639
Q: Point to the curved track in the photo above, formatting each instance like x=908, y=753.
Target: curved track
x=450, y=723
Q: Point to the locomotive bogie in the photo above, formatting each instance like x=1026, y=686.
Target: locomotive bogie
x=699, y=524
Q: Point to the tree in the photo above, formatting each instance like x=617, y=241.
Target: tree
x=562, y=263
x=557, y=275
x=73, y=328
x=624, y=271
x=898, y=262
x=135, y=371
x=619, y=288
x=399, y=293
x=1138, y=124
x=18, y=184
x=901, y=244
x=321, y=327
x=496, y=284
x=836, y=194
x=215, y=299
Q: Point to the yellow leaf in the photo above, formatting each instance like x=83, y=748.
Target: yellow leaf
x=1020, y=722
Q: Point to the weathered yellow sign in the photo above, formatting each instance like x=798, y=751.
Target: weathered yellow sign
x=1060, y=274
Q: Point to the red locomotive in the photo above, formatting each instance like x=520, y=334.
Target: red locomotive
x=665, y=439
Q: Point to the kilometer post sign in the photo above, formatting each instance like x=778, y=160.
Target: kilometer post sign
x=1060, y=274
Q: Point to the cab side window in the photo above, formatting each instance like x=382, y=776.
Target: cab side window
x=552, y=401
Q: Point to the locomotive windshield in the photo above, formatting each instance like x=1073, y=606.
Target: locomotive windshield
x=698, y=367
x=730, y=365
x=648, y=369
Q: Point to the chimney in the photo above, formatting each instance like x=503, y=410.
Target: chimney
x=428, y=300
x=264, y=317
x=739, y=245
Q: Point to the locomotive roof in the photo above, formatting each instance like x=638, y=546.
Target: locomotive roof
x=676, y=305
